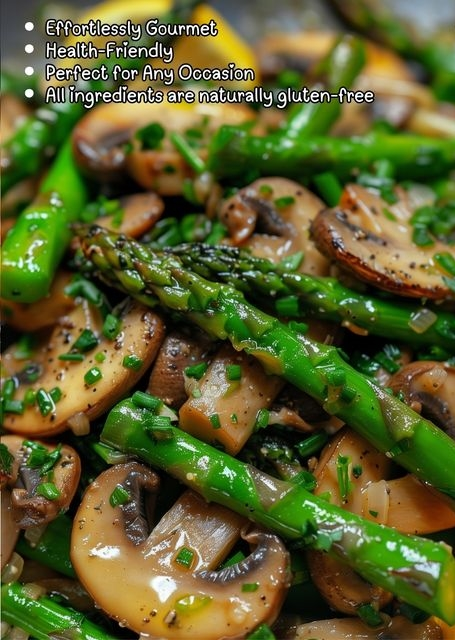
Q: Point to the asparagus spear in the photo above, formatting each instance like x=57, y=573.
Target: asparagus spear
x=43, y=618
x=300, y=294
x=419, y=571
x=235, y=153
x=318, y=369
x=35, y=245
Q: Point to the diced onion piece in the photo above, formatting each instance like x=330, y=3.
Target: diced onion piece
x=79, y=424
x=422, y=320
x=34, y=591
x=13, y=569
x=33, y=534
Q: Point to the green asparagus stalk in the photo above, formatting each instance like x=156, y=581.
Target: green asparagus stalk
x=338, y=69
x=299, y=294
x=53, y=548
x=235, y=153
x=318, y=369
x=419, y=571
x=33, y=248
x=43, y=618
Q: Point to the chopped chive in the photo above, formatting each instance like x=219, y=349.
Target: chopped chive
x=100, y=356
x=48, y=490
x=86, y=341
x=370, y=615
x=147, y=401
x=263, y=632
x=196, y=370
x=357, y=470
x=344, y=484
x=305, y=479
x=312, y=444
x=415, y=615
x=188, y=153
x=250, y=587
x=387, y=363
x=111, y=326
x=132, y=362
x=265, y=190
x=447, y=261
x=8, y=389
x=45, y=403
x=185, y=557
x=24, y=347
x=449, y=282
x=30, y=397
x=400, y=447
x=118, y=496
x=284, y=201
x=84, y=288
x=373, y=513
x=348, y=394
x=38, y=454
x=288, y=306
x=262, y=419
x=92, y=376
x=150, y=136
x=233, y=372
x=215, y=421
x=421, y=236
x=234, y=418
x=13, y=406
x=31, y=372
x=71, y=357
x=336, y=377
x=56, y=394
x=159, y=427
x=196, y=393
x=51, y=459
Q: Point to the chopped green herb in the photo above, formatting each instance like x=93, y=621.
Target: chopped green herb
x=234, y=418
x=188, y=152
x=86, y=341
x=71, y=357
x=13, y=406
x=45, y=403
x=357, y=470
x=196, y=393
x=6, y=460
x=56, y=394
x=81, y=287
x=29, y=397
x=100, y=356
x=370, y=615
x=447, y=261
x=132, y=362
x=415, y=615
x=233, y=372
x=119, y=496
x=215, y=421
x=373, y=513
x=9, y=388
x=249, y=587
x=24, y=347
x=312, y=444
x=196, y=370
x=92, y=376
x=263, y=632
x=344, y=484
x=262, y=419
x=185, y=557
x=111, y=326
x=150, y=136
x=48, y=490
x=284, y=201
x=265, y=190
x=147, y=401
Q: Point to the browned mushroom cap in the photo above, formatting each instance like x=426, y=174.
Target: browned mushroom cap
x=88, y=386
x=29, y=506
x=139, y=213
x=164, y=584
x=363, y=238
x=429, y=387
x=100, y=136
x=398, y=628
x=273, y=216
x=9, y=527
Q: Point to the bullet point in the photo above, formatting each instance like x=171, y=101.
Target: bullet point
x=29, y=71
x=29, y=93
x=29, y=48
x=29, y=26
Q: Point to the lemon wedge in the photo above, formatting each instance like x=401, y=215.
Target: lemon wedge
x=216, y=51
x=117, y=12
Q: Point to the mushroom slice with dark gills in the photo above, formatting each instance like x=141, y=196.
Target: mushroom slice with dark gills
x=429, y=388
x=164, y=584
x=373, y=240
x=272, y=216
x=44, y=480
x=79, y=372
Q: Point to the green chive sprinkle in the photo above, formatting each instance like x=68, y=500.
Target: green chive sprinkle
x=45, y=403
x=344, y=484
x=215, y=421
x=233, y=372
x=86, y=341
x=48, y=490
x=71, y=357
x=284, y=201
x=92, y=376
x=146, y=401
x=196, y=370
x=185, y=557
x=119, y=496
x=262, y=419
x=249, y=587
x=111, y=326
x=132, y=362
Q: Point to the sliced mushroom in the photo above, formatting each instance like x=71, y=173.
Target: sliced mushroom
x=88, y=387
x=398, y=628
x=429, y=388
x=138, y=214
x=273, y=216
x=178, y=351
x=44, y=313
x=9, y=528
x=172, y=589
x=225, y=411
x=344, y=589
x=29, y=508
x=100, y=139
x=364, y=239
